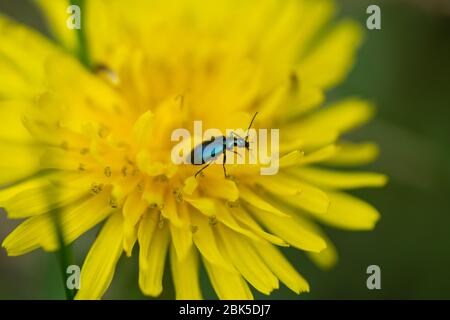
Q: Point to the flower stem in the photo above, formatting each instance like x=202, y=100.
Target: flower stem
x=83, y=52
x=64, y=254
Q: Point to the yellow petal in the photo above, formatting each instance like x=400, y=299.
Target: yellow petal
x=170, y=210
x=143, y=129
x=39, y=200
x=190, y=185
x=306, y=137
x=147, y=227
x=57, y=158
x=252, y=198
x=38, y=231
x=129, y=238
x=99, y=265
x=28, y=236
x=38, y=181
x=220, y=188
x=307, y=197
x=77, y=219
x=19, y=161
x=224, y=215
x=309, y=97
x=205, y=205
x=297, y=158
x=183, y=214
x=348, y=212
x=281, y=267
x=276, y=41
x=227, y=285
x=100, y=14
x=154, y=194
x=324, y=69
x=11, y=113
x=18, y=41
x=204, y=239
x=247, y=261
x=352, y=154
x=292, y=158
x=13, y=84
x=185, y=273
x=133, y=208
x=56, y=15
x=150, y=277
x=242, y=216
x=341, y=116
x=319, y=155
x=340, y=180
x=277, y=185
x=181, y=241
x=315, y=16
x=270, y=106
x=327, y=258
x=291, y=230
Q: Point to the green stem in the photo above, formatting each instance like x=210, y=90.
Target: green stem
x=64, y=254
x=83, y=52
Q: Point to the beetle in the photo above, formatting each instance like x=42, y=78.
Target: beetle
x=210, y=150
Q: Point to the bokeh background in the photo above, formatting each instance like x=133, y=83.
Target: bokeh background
x=405, y=69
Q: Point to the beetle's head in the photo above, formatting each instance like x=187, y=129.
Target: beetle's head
x=241, y=142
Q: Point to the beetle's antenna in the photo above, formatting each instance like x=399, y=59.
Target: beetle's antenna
x=235, y=134
x=251, y=122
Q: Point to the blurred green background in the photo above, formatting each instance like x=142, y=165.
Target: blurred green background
x=405, y=69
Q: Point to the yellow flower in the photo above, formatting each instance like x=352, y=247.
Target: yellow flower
x=95, y=146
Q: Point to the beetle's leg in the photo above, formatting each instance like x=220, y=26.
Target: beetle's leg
x=234, y=151
x=199, y=171
x=223, y=164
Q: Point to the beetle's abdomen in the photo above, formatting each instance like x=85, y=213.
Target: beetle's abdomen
x=206, y=151
x=196, y=155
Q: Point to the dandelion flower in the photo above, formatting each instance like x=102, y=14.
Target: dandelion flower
x=93, y=144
